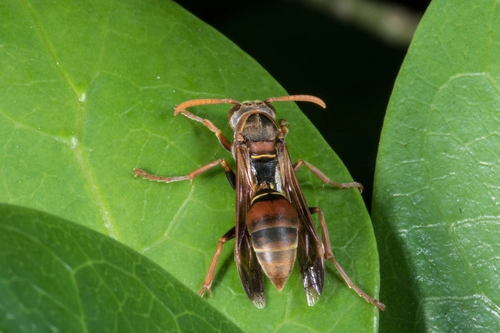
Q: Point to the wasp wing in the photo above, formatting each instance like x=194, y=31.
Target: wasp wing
x=246, y=260
x=310, y=252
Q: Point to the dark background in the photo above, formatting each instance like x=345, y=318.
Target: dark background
x=309, y=51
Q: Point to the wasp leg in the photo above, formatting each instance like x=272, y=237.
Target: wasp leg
x=190, y=176
x=211, y=271
x=324, y=178
x=207, y=123
x=329, y=255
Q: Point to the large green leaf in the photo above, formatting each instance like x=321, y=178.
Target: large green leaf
x=87, y=94
x=437, y=198
x=59, y=275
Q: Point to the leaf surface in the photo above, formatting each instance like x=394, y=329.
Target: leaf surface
x=77, y=280
x=88, y=95
x=436, y=202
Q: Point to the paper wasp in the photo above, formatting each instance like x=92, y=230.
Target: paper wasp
x=274, y=226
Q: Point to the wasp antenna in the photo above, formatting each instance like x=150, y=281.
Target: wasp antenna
x=195, y=102
x=297, y=98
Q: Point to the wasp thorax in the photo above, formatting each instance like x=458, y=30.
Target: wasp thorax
x=259, y=127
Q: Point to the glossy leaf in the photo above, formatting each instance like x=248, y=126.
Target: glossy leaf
x=436, y=201
x=57, y=274
x=88, y=94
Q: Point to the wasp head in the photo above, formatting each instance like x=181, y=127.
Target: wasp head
x=241, y=111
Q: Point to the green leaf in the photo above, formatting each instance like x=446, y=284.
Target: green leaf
x=436, y=201
x=87, y=95
x=57, y=274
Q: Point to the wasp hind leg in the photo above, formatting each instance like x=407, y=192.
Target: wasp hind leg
x=329, y=255
x=211, y=271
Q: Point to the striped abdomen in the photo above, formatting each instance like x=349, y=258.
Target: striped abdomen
x=273, y=225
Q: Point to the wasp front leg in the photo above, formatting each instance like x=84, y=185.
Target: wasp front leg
x=329, y=255
x=190, y=176
x=324, y=178
x=181, y=108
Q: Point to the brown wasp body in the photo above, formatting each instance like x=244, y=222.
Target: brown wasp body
x=274, y=226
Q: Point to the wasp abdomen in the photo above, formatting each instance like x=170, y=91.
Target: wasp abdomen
x=273, y=223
